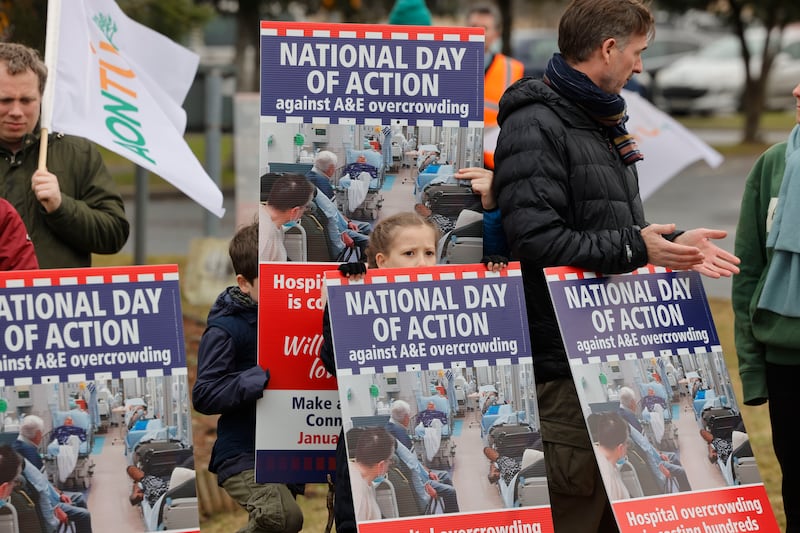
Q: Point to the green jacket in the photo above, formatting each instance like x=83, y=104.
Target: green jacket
x=761, y=336
x=91, y=218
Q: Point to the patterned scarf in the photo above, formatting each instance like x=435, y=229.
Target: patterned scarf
x=607, y=109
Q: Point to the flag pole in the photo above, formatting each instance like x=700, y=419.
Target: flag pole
x=50, y=60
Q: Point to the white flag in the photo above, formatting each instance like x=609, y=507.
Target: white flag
x=668, y=147
x=121, y=85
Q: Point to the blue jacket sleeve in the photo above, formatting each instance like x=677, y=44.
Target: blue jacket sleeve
x=494, y=238
x=220, y=387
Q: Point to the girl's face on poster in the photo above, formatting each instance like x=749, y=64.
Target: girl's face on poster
x=412, y=246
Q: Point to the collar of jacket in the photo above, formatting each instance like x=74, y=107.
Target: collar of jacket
x=28, y=140
x=537, y=91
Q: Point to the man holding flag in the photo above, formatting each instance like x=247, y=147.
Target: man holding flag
x=72, y=208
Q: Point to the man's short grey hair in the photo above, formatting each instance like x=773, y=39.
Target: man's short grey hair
x=400, y=409
x=627, y=396
x=324, y=159
x=30, y=425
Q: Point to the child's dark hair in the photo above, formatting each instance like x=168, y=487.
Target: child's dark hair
x=243, y=251
x=382, y=235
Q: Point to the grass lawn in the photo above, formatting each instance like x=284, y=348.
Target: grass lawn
x=313, y=504
x=770, y=120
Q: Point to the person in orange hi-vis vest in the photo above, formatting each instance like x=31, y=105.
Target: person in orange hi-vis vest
x=500, y=71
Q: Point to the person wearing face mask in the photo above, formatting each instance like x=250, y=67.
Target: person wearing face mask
x=284, y=199
x=499, y=72
x=611, y=448
x=372, y=453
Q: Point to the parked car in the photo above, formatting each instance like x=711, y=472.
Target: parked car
x=670, y=45
x=534, y=47
x=712, y=79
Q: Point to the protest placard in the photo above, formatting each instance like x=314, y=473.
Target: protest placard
x=398, y=110
x=299, y=417
x=96, y=356
x=451, y=343
x=659, y=404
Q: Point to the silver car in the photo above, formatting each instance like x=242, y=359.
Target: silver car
x=712, y=80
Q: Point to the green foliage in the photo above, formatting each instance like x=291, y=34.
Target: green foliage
x=24, y=22
x=175, y=18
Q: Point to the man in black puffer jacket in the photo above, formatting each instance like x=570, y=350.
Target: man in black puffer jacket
x=568, y=192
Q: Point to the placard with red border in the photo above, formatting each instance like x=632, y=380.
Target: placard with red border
x=371, y=74
x=404, y=321
x=73, y=325
x=298, y=419
x=644, y=326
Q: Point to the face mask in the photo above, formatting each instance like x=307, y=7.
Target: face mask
x=378, y=480
x=290, y=224
x=621, y=461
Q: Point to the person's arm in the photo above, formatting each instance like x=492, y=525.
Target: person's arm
x=541, y=221
x=80, y=199
x=16, y=248
x=714, y=261
x=480, y=179
x=48, y=498
x=410, y=459
x=494, y=239
x=326, y=353
x=219, y=387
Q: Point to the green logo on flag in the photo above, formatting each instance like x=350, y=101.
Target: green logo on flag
x=121, y=120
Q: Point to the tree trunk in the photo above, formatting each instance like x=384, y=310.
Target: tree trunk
x=505, y=16
x=752, y=107
x=248, y=44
